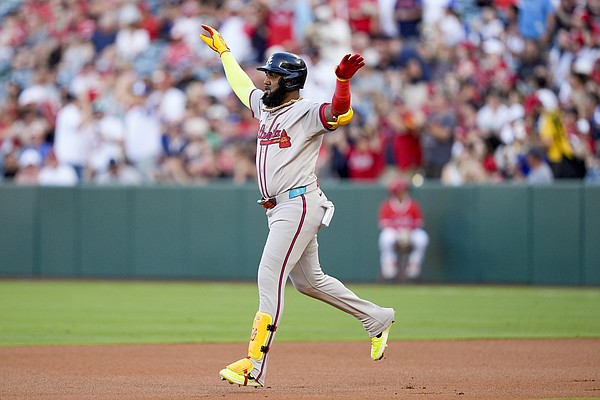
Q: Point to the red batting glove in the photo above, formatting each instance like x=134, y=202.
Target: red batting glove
x=348, y=66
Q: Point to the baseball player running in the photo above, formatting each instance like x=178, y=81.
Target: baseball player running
x=289, y=137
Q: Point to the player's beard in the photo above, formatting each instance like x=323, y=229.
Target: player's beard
x=276, y=97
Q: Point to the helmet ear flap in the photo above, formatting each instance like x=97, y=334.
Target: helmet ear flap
x=283, y=83
x=291, y=83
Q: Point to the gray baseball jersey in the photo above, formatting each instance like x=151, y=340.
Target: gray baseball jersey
x=288, y=144
x=289, y=139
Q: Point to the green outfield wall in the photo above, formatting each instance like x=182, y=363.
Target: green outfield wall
x=519, y=234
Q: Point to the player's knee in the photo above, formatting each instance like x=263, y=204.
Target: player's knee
x=304, y=287
x=387, y=238
x=420, y=238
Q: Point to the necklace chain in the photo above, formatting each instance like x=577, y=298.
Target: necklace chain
x=292, y=101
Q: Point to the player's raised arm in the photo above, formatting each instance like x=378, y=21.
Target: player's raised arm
x=240, y=82
x=340, y=112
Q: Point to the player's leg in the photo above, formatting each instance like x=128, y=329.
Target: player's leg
x=388, y=254
x=242, y=372
x=290, y=229
x=309, y=279
x=419, y=241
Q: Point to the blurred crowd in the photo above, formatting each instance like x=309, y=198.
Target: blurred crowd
x=457, y=91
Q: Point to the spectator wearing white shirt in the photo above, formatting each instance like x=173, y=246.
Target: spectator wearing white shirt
x=142, y=133
x=168, y=99
x=451, y=28
x=71, y=142
x=387, y=22
x=107, y=136
x=131, y=39
x=434, y=10
x=492, y=117
x=234, y=30
x=29, y=168
x=53, y=173
x=119, y=173
x=42, y=92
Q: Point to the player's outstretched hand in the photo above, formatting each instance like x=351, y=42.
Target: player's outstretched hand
x=215, y=41
x=349, y=65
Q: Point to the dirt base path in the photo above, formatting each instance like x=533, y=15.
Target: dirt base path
x=473, y=369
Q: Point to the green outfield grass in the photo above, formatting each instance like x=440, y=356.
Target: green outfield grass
x=92, y=312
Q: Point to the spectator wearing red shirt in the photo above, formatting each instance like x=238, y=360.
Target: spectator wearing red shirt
x=178, y=54
x=407, y=123
x=280, y=25
x=363, y=16
x=401, y=224
x=365, y=159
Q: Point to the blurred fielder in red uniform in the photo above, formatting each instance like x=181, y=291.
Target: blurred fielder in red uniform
x=401, y=223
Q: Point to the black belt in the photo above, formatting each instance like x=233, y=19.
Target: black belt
x=271, y=202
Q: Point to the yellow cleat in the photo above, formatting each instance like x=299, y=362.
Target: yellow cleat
x=379, y=343
x=239, y=373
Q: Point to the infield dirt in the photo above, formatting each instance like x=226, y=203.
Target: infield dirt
x=469, y=369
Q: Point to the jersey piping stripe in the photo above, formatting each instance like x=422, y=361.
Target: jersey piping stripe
x=262, y=164
x=261, y=185
x=250, y=101
x=323, y=118
x=281, y=283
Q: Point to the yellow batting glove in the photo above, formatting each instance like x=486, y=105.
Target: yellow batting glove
x=215, y=41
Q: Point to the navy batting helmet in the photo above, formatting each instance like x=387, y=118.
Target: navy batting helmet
x=290, y=66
